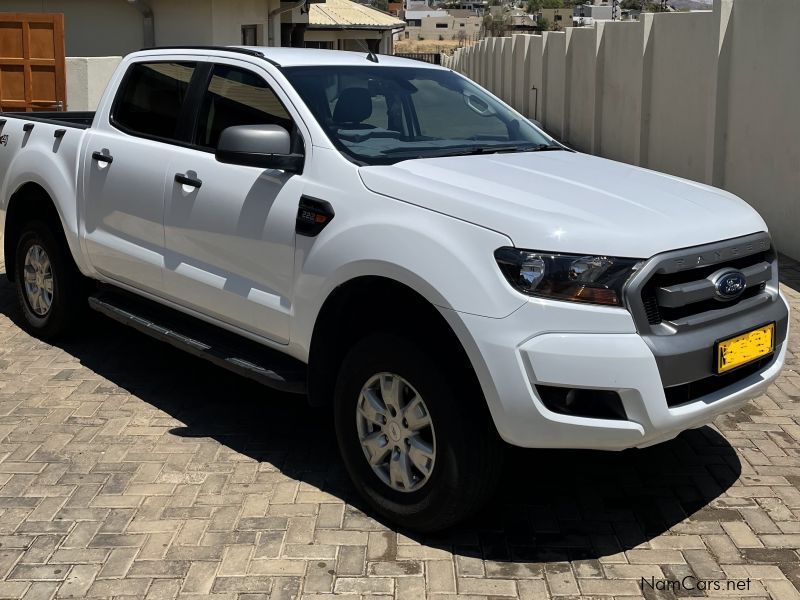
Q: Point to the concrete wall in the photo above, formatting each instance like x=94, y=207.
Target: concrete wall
x=757, y=105
x=87, y=78
x=677, y=113
x=91, y=27
x=710, y=96
x=228, y=16
x=182, y=22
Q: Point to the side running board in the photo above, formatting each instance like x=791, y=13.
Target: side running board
x=225, y=349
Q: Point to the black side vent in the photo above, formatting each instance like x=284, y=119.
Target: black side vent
x=651, y=306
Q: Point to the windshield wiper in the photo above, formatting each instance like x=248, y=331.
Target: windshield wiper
x=468, y=151
x=502, y=149
x=483, y=150
x=544, y=148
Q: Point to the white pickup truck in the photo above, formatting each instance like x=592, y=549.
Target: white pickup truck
x=387, y=237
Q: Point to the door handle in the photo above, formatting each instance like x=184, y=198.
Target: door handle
x=186, y=180
x=100, y=157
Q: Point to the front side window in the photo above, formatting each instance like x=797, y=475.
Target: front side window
x=382, y=115
x=150, y=98
x=237, y=96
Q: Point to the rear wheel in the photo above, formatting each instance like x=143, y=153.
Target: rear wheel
x=413, y=436
x=47, y=281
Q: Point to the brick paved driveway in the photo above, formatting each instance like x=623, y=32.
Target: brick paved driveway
x=130, y=469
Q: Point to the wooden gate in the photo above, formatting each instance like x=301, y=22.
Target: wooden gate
x=32, y=62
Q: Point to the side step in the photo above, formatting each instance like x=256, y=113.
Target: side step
x=225, y=349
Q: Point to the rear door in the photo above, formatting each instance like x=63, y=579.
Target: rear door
x=125, y=170
x=230, y=234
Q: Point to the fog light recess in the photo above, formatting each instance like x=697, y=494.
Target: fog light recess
x=580, y=402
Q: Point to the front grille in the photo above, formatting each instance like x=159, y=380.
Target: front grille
x=656, y=314
x=673, y=301
x=688, y=283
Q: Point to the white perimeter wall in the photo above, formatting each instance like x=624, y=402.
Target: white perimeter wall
x=711, y=96
x=86, y=80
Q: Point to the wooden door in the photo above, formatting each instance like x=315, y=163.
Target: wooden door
x=32, y=62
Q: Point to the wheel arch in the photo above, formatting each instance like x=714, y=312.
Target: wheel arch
x=371, y=303
x=30, y=201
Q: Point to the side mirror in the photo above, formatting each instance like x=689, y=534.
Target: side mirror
x=537, y=124
x=264, y=146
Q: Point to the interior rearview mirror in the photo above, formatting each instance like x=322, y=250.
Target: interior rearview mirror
x=264, y=146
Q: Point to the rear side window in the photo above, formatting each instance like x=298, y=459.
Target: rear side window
x=150, y=99
x=237, y=97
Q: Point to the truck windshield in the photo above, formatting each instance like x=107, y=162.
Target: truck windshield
x=381, y=115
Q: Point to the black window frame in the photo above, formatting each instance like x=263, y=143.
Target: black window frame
x=200, y=95
x=183, y=113
x=192, y=102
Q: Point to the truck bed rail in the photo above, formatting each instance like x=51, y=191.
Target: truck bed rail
x=76, y=119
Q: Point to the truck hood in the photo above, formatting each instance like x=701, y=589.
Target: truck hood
x=569, y=202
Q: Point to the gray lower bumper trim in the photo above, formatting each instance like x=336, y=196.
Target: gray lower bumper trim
x=689, y=355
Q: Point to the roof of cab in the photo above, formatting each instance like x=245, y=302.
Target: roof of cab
x=301, y=57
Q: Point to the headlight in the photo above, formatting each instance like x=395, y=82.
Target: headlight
x=594, y=279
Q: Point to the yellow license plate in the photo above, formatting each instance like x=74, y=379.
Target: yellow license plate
x=747, y=347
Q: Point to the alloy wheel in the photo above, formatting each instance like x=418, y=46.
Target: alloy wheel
x=396, y=432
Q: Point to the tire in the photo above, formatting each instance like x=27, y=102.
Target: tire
x=56, y=312
x=467, y=451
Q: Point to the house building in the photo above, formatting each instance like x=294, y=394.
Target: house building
x=117, y=27
x=396, y=8
x=417, y=5
x=521, y=22
x=442, y=25
x=595, y=12
x=558, y=18
x=346, y=25
x=477, y=7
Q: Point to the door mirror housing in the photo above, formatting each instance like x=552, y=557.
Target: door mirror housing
x=263, y=146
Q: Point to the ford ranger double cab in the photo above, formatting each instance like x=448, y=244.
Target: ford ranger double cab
x=389, y=239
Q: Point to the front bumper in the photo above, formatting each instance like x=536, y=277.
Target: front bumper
x=587, y=347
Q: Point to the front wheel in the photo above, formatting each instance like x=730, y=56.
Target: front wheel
x=48, y=282
x=412, y=434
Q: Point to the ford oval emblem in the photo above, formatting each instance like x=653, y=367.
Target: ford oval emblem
x=730, y=285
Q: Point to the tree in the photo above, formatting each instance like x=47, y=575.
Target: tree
x=533, y=6
x=552, y=3
x=496, y=25
x=645, y=5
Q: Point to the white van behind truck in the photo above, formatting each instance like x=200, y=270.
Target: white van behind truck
x=386, y=236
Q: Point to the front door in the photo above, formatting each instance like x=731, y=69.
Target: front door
x=230, y=229
x=125, y=174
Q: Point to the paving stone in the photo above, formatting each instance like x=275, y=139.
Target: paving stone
x=130, y=470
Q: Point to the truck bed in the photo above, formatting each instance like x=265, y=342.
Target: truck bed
x=49, y=142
